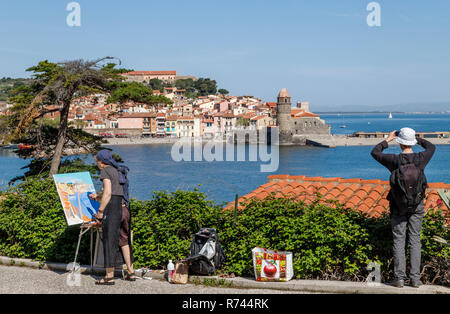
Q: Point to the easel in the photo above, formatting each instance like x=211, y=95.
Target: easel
x=84, y=228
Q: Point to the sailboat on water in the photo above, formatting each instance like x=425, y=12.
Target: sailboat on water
x=343, y=126
x=390, y=115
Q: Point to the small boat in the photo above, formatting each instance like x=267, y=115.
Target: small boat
x=390, y=115
x=24, y=146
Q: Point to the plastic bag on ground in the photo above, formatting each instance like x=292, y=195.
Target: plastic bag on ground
x=272, y=265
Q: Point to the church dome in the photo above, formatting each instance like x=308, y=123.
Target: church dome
x=284, y=93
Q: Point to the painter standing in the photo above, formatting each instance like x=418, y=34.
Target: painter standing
x=406, y=199
x=115, y=217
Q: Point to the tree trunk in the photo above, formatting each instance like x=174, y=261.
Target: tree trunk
x=62, y=133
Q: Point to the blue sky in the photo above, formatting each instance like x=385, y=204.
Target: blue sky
x=321, y=51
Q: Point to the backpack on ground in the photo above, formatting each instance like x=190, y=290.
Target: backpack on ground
x=408, y=186
x=206, y=253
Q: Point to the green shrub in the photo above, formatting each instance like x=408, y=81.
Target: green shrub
x=32, y=224
x=328, y=241
x=325, y=240
x=164, y=226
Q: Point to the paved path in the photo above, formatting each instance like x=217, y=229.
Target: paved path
x=28, y=280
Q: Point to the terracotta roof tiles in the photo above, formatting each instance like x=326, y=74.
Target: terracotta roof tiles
x=368, y=196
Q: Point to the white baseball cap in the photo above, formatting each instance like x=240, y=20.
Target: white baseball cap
x=407, y=136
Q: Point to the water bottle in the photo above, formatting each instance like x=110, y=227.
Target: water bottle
x=170, y=270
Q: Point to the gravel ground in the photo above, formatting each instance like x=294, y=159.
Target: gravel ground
x=28, y=280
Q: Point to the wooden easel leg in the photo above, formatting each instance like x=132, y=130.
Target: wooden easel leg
x=90, y=248
x=78, y=247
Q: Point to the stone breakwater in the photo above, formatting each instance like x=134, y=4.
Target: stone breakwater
x=344, y=140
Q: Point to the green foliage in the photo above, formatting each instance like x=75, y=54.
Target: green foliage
x=134, y=91
x=32, y=224
x=328, y=241
x=325, y=241
x=164, y=226
x=156, y=84
x=200, y=87
x=186, y=84
x=52, y=89
x=7, y=85
x=205, y=86
x=111, y=68
x=242, y=122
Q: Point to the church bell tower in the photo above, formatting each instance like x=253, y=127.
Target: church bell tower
x=284, y=119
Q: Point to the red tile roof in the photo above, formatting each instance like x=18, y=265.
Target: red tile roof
x=248, y=115
x=172, y=117
x=187, y=118
x=90, y=116
x=257, y=118
x=300, y=113
x=225, y=114
x=138, y=115
x=368, y=196
x=305, y=114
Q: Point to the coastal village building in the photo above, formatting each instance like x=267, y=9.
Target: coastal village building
x=146, y=76
x=189, y=126
x=207, y=130
x=149, y=124
x=224, y=122
x=165, y=76
x=131, y=120
x=260, y=122
x=206, y=116
x=160, y=124
x=172, y=126
x=294, y=124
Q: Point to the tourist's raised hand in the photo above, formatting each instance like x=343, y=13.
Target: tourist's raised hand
x=392, y=136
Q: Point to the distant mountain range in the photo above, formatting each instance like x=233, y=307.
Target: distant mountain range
x=409, y=107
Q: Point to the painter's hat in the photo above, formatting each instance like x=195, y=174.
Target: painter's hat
x=407, y=136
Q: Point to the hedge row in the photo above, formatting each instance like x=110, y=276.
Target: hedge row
x=328, y=241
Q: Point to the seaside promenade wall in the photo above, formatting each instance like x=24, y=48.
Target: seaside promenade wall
x=313, y=140
x=130, y=132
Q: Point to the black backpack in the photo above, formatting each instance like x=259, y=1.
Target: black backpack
x=408, y=186
x=200, y=264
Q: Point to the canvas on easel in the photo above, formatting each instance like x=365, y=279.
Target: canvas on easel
x=74, y=190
